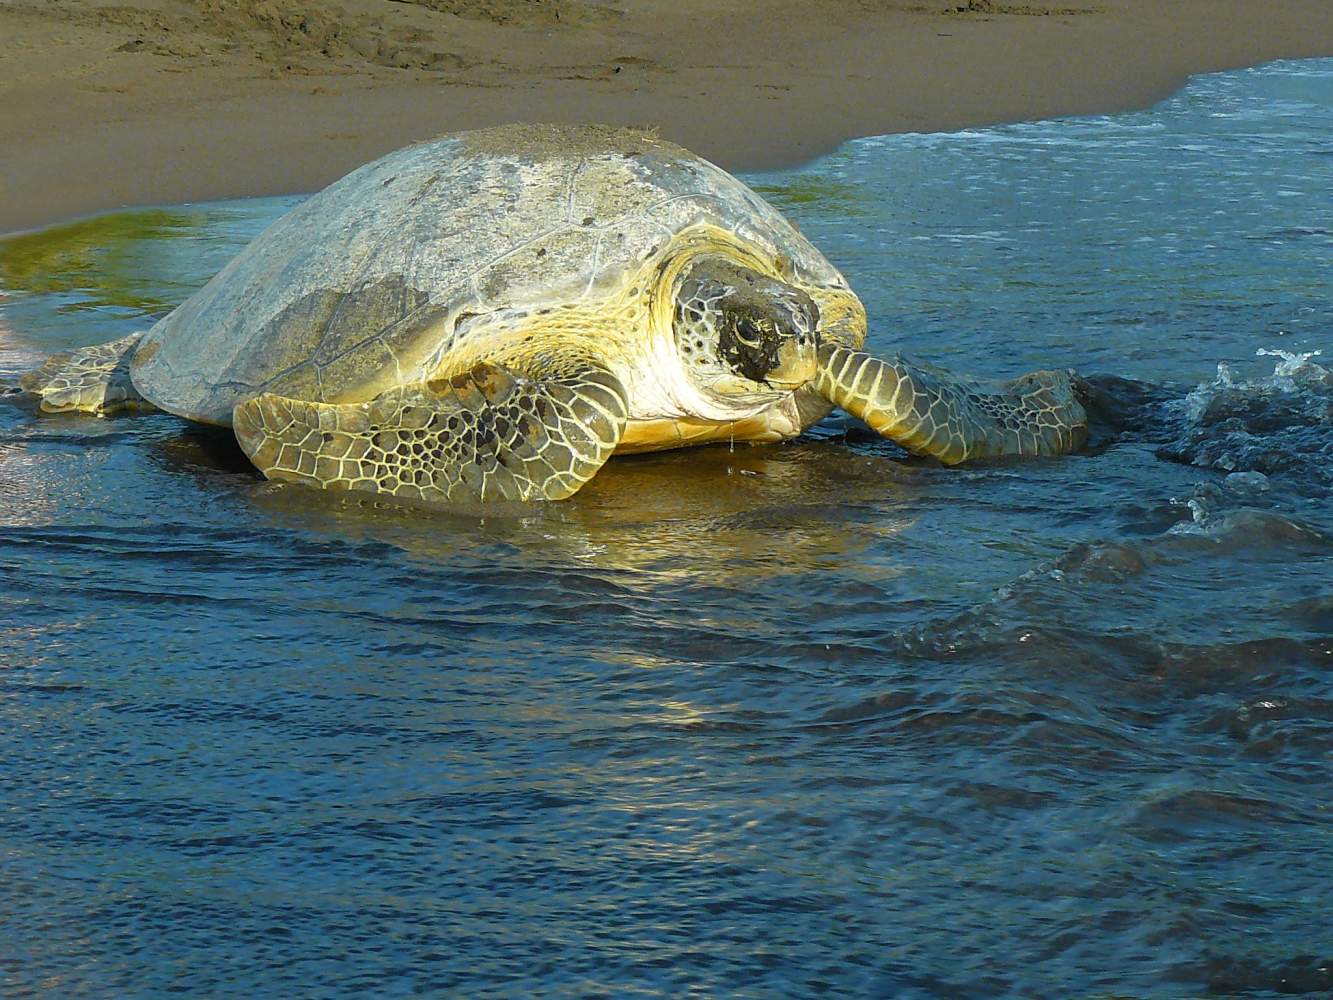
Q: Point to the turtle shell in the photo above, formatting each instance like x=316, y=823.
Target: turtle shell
x=362, y=286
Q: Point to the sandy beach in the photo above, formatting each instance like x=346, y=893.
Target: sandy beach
x=167, y=101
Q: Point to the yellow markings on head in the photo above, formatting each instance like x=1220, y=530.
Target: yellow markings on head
x=683, y=250
x=842, y=317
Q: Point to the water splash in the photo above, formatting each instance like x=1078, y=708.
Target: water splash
x=1278, y=424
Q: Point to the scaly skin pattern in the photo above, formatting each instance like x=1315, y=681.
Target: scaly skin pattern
x=92, y=379
x=484, y=435
x=932, y=413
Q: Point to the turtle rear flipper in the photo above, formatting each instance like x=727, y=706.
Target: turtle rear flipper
x=930, y=412
x=92, y=379
x=484, y=435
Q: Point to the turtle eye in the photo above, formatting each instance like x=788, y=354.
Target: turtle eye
x=748, y=332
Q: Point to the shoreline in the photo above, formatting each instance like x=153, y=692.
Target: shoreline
x=162, y=102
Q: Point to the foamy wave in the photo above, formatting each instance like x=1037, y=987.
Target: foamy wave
x=1279, y=424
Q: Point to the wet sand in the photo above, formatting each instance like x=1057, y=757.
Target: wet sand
x=167, y=101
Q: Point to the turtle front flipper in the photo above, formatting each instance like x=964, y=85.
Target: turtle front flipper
x=930, y=412
x=488, y=434
x=92, y=379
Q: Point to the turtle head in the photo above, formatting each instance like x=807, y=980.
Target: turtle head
x=741, y=332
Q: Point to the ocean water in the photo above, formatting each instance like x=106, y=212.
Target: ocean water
x=802, y=720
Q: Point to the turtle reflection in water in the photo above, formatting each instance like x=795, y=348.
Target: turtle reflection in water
x=493, y=314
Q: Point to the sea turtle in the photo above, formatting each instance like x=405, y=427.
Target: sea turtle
x=493, y=314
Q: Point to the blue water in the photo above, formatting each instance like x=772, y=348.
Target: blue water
x=802, y=720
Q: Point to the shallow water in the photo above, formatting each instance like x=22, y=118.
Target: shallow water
x=785, y=721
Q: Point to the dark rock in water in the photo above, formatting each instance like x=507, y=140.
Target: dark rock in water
x=1124, y=402
x=1122, y=409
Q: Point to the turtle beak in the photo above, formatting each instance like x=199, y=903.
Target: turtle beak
x=797, y=361
x=798, y=356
